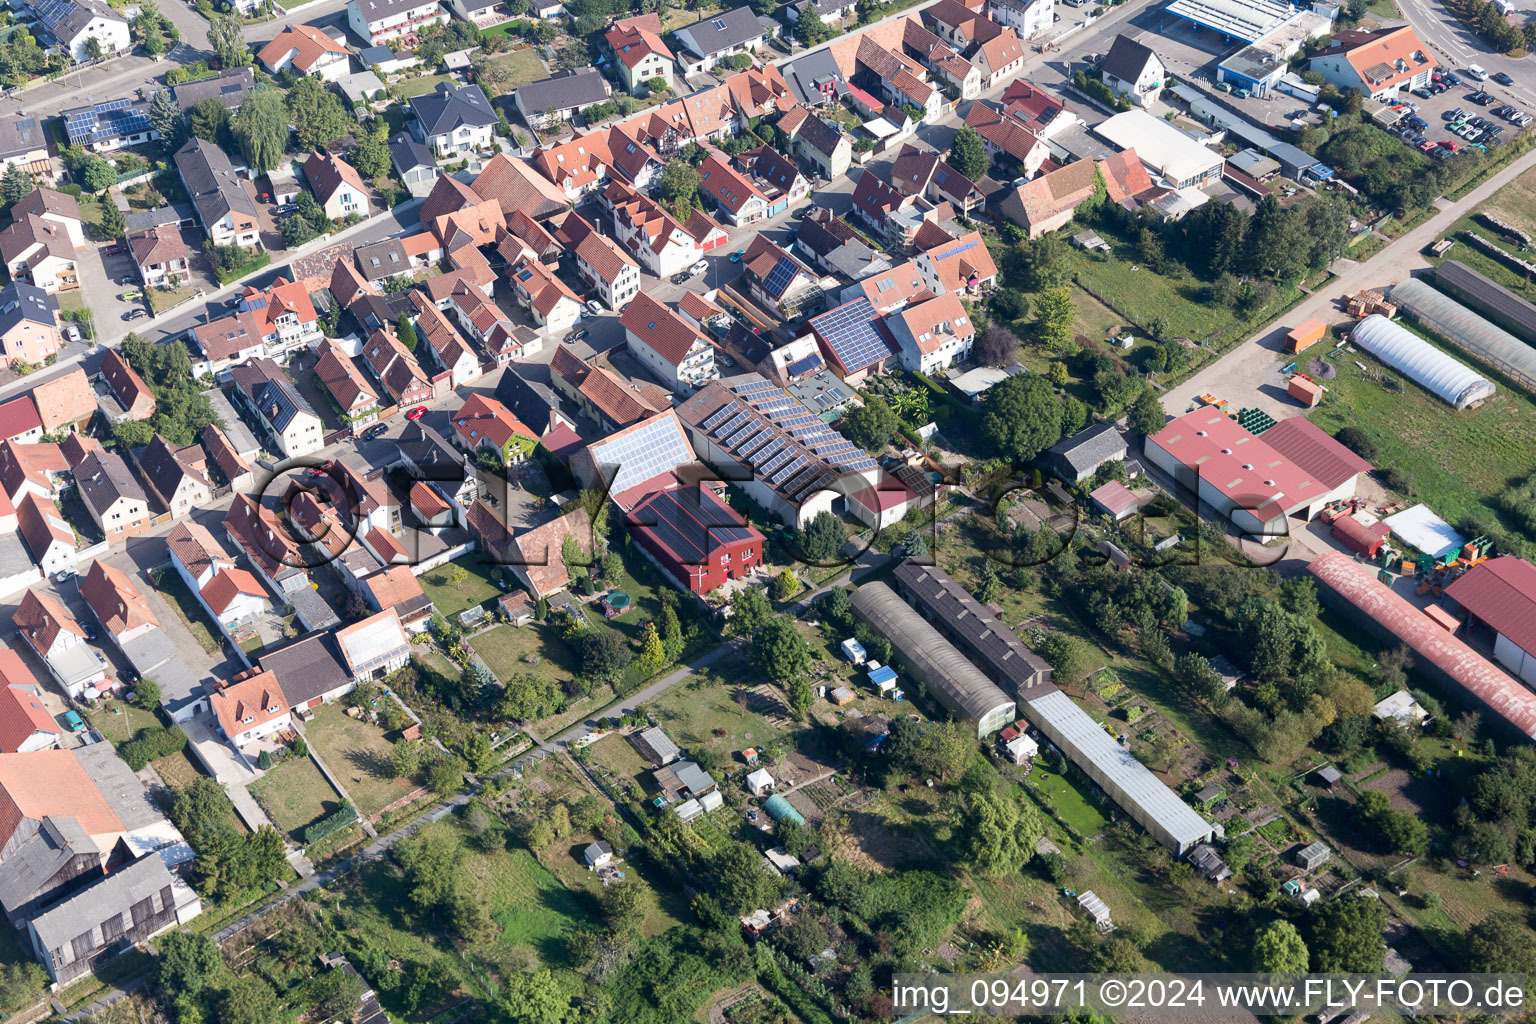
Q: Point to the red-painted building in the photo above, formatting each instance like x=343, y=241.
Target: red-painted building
x=695, y=536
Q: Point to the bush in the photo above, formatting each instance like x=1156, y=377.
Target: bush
x=152, y=743
x=339, y=819
x=1357, y=441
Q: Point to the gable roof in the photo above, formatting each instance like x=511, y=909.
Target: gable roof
x=659, y=328
x=566, y=90
x=1089, y=447
x=632, y=42
x=1382, y=58
x=450, y=106
x=727, y=185
x=103, y=478
x=326, y=173
x=43, y=201
x=605, y=256
x=720, y=33
x=131, y=391
x=341, y=376
x=158, y=244
x=308, y=44
x=1125, y=176
x=541, y=547
x=41, y=617
x=249, y=703
x=19, y=416
x=195, y=547
x=42, y=525
x=377, y=636
x=65, y=399
x=482, y=416
x=211, y=182
x=228, y=584
x=119, y=606
x=1058, y=191
x=165, y=467
x=1126, y=59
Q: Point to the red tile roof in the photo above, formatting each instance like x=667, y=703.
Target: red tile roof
x=483, y=417
x=326, y=173
x=658, y=327
x=41, y=618
x=249, y=703
x=228, y=584
x=21, y=707
x=310, y=44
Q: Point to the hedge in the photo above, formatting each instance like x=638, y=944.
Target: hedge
x=339, y=819
x=151, y=743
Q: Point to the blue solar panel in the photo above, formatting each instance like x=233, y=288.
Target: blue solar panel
x=756, y=445
x=850, y=333
x=753, y=387
x=806, y=365
x=720, y=415
x=652, y=448
x=779, y=277
x=774, y=463
x=784, y=474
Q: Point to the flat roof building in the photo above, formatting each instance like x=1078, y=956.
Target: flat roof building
x=1169, y=153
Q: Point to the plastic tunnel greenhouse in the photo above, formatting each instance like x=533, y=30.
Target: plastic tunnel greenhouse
x=1407, y=353
x=1482, y=339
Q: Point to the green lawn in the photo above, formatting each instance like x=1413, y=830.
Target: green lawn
x=177, y=770
x=1145, y=296
x=422, y=85
x=358, y=753
x=1458, y=461
x=118, y=721
x=452, y=598
x=724, y=718
x=503, y=650
x=1068, y=800
x=295, y=794
x=164, y=300
x=522, y=65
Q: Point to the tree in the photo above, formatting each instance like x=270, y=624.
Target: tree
x=653, y=654
x=811, y=29
x=1010, y=304
x=801, y=695
x=1194, y=673
x=679, y=181
x=1147, y=416
x=1215, y=238
x=1021, y=418
x=822, y=539
x=1041, y=264
x=742, y=880
x=1357, y=441
x=261, y=128
x=16, y=185
x=749, y=610
x=604, y=655
x=1499, y=944
x=228, y=42
x=1344, y=935
x=1070, y=657
x=996, y=346
x=445, y=774
x=1278, y=948
x=1277, y=241
x=1277, y=643
x=93, y=48
x=405, y=759
x=968, y=154
x=779, y=651
x=785, y=585
x=210, y=120
x=536, y=997
x=999, y=834
x=187, y=962
x=406, y=332
x=165, y=118
x=1055, y=315
x=249, y=1000
x=1396, y=831
x=147, y=693
x=97, y=175
x=944, y=750
x=317, y=114
x=671, y=633
x=371, y=157
x=872, y=425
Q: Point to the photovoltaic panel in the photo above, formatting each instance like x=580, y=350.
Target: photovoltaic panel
x=740, y=435
x=811, y=485
x=756, y=445
x=850, y=332
x=733, y=424
x=753, y=387
x=652, y=448
x=779, y=277
x=786, y=471
x=720, y=415
x=774, y=463
x=796, y=483
x=806, y=365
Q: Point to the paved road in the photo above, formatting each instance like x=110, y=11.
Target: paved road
x=1246, y=375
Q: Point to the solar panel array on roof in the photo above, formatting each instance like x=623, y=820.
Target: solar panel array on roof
x=753, y=387
x=806, y=365
x=849, y=331
x=108, y=120
x=779, y=277
x=646, y=450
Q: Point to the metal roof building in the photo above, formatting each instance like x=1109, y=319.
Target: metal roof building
x=1489, y=298
x=1133, y=787
x=1438, y=373
x=1501, y=594
x=949, y=676
x=1353, y=587
x=1483, y=341
x=975, y=630
x=1247, y=20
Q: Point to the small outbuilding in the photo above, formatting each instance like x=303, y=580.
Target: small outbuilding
x=780, y=809
x=1305, y=391
x=854, y=651
x=1400, y=706
x=1328, y=776
x=1115, y=500
x=1097, y=911
x=1209, y=863
x=597, y=855
x=1021, y=748
x=842, y=696
x=759, y=782
x=1313, y=855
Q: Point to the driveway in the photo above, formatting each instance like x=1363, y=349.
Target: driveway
x=99, y=275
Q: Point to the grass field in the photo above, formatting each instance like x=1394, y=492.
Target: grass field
x=523, y=65
x=679, y=17
x=1145, y=296
x=707, y=715
x=619, y=756
x=295, y=794
x=359, y=755
x=422, y=85
x=1457, y=461
x=177, y=770
x=117, y=720
x=452, y=598
x=503, y=648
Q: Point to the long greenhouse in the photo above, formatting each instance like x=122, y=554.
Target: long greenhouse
x=1488, y=298
x=1441, y=375
x=1476, y=335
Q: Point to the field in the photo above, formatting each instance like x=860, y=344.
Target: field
x=295, y=794
x=1145, y=296
x=503, y=648
x=118, y=721
x=359, y=755
x=177, y=770
x=452, y=598
x=422, y=85
x=1457, y=461
x=523, y=65
x=721, y=718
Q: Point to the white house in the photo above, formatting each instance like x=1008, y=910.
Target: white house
x=251, y=708
x=308, y=51
x=611, y=270
x=1133, y=70
x=75, y=23
x=667, y=345
x=705, y=43
x=25, y=724
x=932, y=335
x=1026, y=17
x=228, y=213
x=379, y=21
x=57, y=638
x=454, y=119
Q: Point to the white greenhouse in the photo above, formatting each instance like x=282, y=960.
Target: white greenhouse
x=1468, y=329
x=1419, y=361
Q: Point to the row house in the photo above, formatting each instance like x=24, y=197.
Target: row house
x=354, y=396
x=780, y=282
x=396, y=370
x=483, y=320
x=818, y=142
x=284, y=315
x=178, y=477
x=603, y=395
x=605, y=264
x=449, y=349
x=655, y=238
x=552, y=305
x=738, y=199
x=274, y=406
x=899, y=78
x=928, y=174
x=667, y=345
x=1007, y=138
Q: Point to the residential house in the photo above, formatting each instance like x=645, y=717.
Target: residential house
x=354, y=396
x=999, y=59
x=900, y=79
x=39, y=469
x=65, y=403
x=337, y=186
x=813, y=80
x=227, y=212
x=236, y=472
x=75, y=24
x=557, y=99
x=603, y=395
x=414, y=164
x=53, y=208
x=227, y=341
x=889, y=215
x=1026, y=17
x=739, y=200
x=612, y=272
x=229, y=87
x=927, y=174
x=39, y=252
x=375, y=647
x=112, y=496
x=552, y=305
x=25, y=724
x=1049, y=201
x=779, y=281
x=1381, y=64
x=1131, y=69
x=284, y=314
x=657, y=240
x=698, y=540
x=518, y=185
x=932, y=335
x=835, y=13
x=127, y=387
x=396, y=369
x=962, y=265
x=1039, y=111
x=454, y=119
x=269, y=399
x=161, y=256
x=23, y=145
x=824, y=145
x=641, y=55
x=177, y=476
x=379, y=21
x=775, y=176
x=19, y=422
x=483, y=422
x=438, y=336
x=709, y=41
x=993, y=48
x=251, y=707
x=539, y=564
x=235, y=598
x=196, y=554
x=57, y=639
x=50, y=539
x=667, y=346
x=29, y=325
x=851, y=340
x=306, y=50
x=836, y=248
x=108, y=126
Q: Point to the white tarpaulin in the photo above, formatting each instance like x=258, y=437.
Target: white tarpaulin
x=1422, y=530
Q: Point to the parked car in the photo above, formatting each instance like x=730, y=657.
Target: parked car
x=1426, y=146
x=579, y=335
x=374, y=432
x=135, y=314
x=64, y=575
x=1423, y=92
x=680, y=278
x=73, y=721
x=115, y=249
x=1476, y=72
x=698, y=268
x=594, y=308
x=737, y=255
x=416, y=413
x=71, y=332
x=1451, y=78
x=1503, y=79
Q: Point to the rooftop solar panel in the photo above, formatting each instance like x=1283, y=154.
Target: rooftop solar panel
x=786, y=471
x=779, y=277
x=806, y=365
x=810, y=486
x=733, y=424
x=720, y=415
x=650, y=449
x=757, y=444
x=850, y=333
x=753, y=387
x=740, y=435
x=782, y=456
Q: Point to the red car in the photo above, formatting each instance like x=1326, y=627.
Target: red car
x=416, y=413
x=1448, y=144
x=115, y=250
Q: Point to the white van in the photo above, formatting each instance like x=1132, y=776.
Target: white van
x=1477, y=72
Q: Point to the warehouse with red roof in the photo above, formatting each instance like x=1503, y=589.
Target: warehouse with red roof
x=1501, y=595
